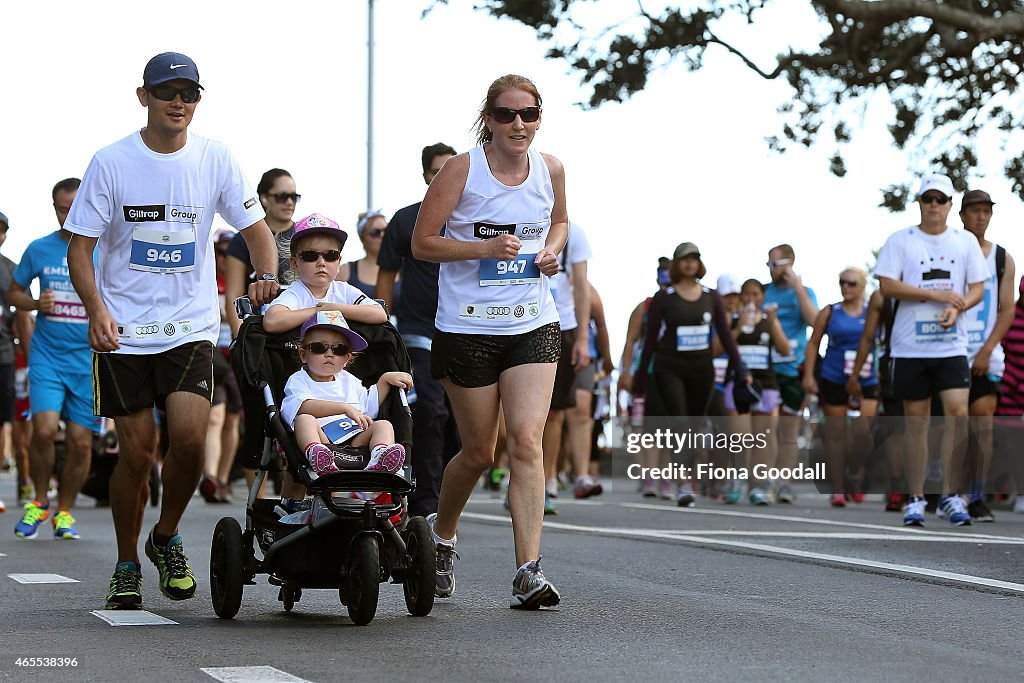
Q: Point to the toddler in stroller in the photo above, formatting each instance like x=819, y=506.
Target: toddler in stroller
x=325, y=404
x=345, y=543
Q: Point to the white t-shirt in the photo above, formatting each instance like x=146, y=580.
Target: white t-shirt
x=491, y=296
x=981, y=320
x=577, y=250
x=949, y=261
x=345, y=388
x=298, y=296
x=152, y=213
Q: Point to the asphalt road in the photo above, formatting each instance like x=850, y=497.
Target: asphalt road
x=649, y=592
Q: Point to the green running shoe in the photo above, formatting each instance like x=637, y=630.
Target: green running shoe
x=177, y=581
x=125, y=587
x=64, y=526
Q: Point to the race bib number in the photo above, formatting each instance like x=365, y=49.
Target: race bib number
x=692, y=337
x=518, y=271
x=68, y=308
x=927, y=329
x=341, y=430
x=976, y=332
x=158, y=251
x=755, y=356
x=721, y=366
x=791, y=358
x=848, y=359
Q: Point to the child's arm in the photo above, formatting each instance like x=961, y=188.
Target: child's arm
x=280, y=318
x=321, y=408
x=372, y=314
x=390, y=379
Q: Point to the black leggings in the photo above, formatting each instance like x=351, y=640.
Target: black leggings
x=670, y=395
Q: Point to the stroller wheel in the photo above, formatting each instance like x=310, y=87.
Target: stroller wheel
x=420, y=561
x=290, y=594
x=363, y=580
x=226, y=568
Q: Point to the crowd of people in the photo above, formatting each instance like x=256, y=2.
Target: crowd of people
x=486, y=280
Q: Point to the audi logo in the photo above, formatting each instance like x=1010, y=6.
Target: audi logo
x=147, y=329
x=498, y=310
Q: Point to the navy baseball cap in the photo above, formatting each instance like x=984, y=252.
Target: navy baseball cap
x=168, y=66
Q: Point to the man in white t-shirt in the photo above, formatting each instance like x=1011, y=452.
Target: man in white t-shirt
x=935, y=273
x=147, y=201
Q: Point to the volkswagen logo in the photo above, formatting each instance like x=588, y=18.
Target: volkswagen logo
x=169, y=330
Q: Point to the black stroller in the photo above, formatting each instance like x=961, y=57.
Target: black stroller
x=347, y=544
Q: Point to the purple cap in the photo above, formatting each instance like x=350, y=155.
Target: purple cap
x=333, y=320
x=318, y=224
x=168, y=66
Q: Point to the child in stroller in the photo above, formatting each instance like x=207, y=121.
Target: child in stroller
x=324, y=404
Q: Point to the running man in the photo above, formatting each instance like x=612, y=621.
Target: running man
x=148, y=201
x=59, y=373
x=935, y=273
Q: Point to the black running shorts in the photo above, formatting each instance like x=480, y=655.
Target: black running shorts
x=477, y=360
x=564, y=393
x=916, y=379
x=124, y=384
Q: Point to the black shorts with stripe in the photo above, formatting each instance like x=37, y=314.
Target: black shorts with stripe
x=124, y=384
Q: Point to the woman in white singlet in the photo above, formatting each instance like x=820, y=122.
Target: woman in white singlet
x=502, y=205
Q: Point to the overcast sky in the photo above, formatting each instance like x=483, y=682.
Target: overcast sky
x=286, y=86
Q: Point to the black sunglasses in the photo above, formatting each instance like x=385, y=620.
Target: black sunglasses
x=935, y=199
x=848, y=283
x=310, y=256
x=282, y=197
x=376, y=232
x=320, y=348
x=506, y=115
x=167, y=93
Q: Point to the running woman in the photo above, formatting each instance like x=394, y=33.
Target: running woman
x=148, y=201
x=843, y=322
x=502, y=205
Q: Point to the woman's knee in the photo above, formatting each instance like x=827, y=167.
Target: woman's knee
x=524, y=444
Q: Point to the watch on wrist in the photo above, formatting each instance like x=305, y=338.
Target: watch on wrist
x=268, y=276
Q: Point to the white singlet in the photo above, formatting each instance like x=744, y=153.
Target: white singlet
x=490, y=296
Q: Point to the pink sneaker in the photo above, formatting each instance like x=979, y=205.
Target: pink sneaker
x=389, y=459
x=321, y=459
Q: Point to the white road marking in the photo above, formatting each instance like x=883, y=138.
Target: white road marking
x=250, y=674
x=889, y=528
x=41, y=578
x=769, y=549
x=131, y=617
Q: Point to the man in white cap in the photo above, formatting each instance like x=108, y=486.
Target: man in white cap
x=935, y=273
x=147, y=201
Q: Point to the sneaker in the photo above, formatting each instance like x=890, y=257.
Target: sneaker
x=125, y=587
x=549, y=506
x=35, y=514
x=223, y=493
x=666, y=490
x=686, y=498
x=980, y=512
x=531, y=590
x=3, y=506
x=321, y=459
x=953, y=509
x=758, y=496
x=177, y=582
x=893, y=502
x=733, y=492
x=1018, y=506
x=208, y=489
x=786, y=495
x=64, y=526
x=838, y=500
x=24, y=494
x=586, y=487
x=444, y=568
x=913, y=512
x=497, y=475
x=389, y=459
x=650, y=489
x=551, y=488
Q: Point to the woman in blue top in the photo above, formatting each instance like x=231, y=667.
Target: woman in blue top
x=843, y=322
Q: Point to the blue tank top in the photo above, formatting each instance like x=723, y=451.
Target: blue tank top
x=844, y=332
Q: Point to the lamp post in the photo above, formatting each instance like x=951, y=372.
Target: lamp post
x=369, y=106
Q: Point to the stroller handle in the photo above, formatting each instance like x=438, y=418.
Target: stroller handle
x=243, y=307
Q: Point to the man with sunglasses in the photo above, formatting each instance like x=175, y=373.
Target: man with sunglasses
x=796, y=312
x=435, y=435
x=935, y=273
x=148, y=202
